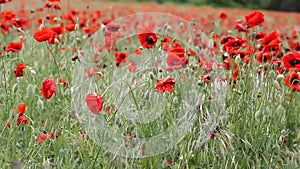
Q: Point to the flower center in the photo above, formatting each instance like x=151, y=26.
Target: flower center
x=149, y=40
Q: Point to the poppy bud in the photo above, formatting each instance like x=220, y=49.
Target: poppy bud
x=40, y=104
x=118, y=122
x=276, y=84
x=30, y=90
x=280, y=77
x=15, y=87
x=147, y=95
x=78, y=40
x=238, y=58
x=214, y=66
x=151, y=75
x=169, y=28
x=280, y=109
x=181, y=25
x=257, y=114
x=254, y=35
x=200, y=83
x=175, y=100
x=211, y=43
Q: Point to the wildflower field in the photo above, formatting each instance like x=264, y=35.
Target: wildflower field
x=92, y=84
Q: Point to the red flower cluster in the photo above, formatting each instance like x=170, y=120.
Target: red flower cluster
x=43, y=136
x=52, y=4
x=14, y=47
x=19, y=71
x=48, y=88
x=147, y=37
x=120, y=57
x=254, y=18
x=293, y=81
x=292, y=61
x=94, y=103
x=21, y=116
x=165, y=84
x=47, y=34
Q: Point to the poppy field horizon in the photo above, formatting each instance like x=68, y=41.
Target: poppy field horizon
x=92, y=84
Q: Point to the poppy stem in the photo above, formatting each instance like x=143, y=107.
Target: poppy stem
x=4, y=75
x=134, y=99
x=117, y=109
x=96, y=158
x=53, y=56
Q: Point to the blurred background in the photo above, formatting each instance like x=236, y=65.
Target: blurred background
x=278, y=5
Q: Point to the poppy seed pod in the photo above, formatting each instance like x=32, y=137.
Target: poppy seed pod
x=280, y=77
x=147, y=95
x=151, y=75
x=40, y=104
x=30, y=90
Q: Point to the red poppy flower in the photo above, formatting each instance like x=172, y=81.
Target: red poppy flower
x=58, y=30
x=19, y=22
x=174, y=62
x=206, y=78
x=21, y=109
x=4, y=27
x=64, y=81
x=45, y=34
x=292, y=60
x=14, y=46
x=270, y=41
x=8, y=123
x=121, y=57
x=42, y=137
x=4, y=1
x=109, y=41
x=292, y=81
x=92, y=71
x=56, y=6
x=234, y=44
x=235, y=75
x=132, y=66
x=260, y=35
x=70, y=27
x=147, y=37
x=165, y=84
x=223, y=15
x=113, y=27
x=19, y=71
x=179, y=51
x=22, y=119
x=8, y=15
x=191, y=52
x=241, y=27
x=94, y=103
x=137, y=51
x=48, y=88
x=50, y=135
x=225, y=39
x=264, y=57
x=212, y=134
x=254, y=18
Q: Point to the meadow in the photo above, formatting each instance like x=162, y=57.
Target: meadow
x=92, y=84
